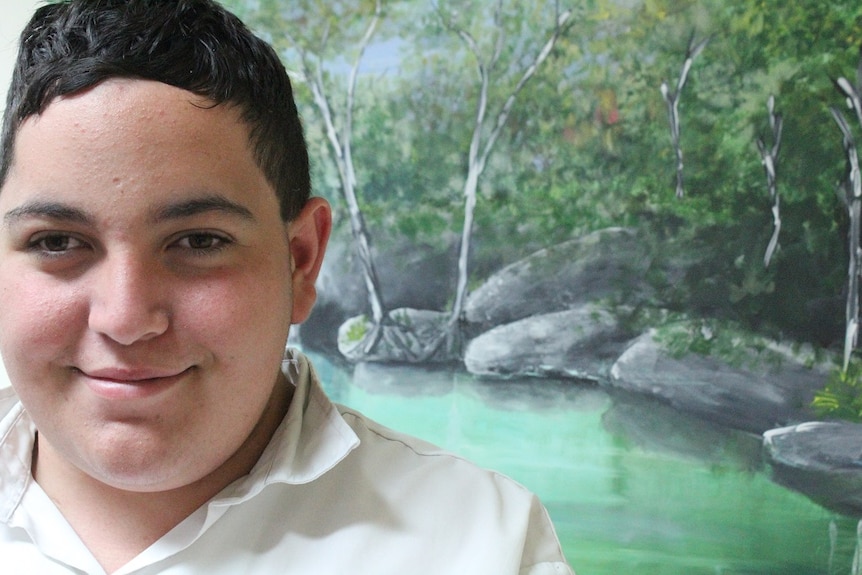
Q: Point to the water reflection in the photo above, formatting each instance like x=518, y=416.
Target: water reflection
x=525, y=395
x=656, y=427
x=402, y=380
x=633, y=486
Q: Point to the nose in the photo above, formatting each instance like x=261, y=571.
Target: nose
x=127, y=301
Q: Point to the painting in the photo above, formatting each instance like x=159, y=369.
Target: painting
x=610, y=248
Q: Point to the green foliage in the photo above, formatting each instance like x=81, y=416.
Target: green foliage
x=587, y=144
x=841, y=398
x=401, y=317
x=357, y=330
x=720, y=339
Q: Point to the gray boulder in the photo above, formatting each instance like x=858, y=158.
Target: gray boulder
x=579, y=343
x=822, y=460
x=411, y=276
x=770, y=386
x=608, y=264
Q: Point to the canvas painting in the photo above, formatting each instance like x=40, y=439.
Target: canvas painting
x=610, y=248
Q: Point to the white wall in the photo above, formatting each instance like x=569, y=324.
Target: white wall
x=14, y=14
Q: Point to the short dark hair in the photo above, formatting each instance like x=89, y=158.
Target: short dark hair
x=195, y=45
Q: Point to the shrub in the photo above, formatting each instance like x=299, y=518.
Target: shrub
x=841, y=398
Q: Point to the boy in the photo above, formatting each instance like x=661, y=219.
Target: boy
x=157, y=240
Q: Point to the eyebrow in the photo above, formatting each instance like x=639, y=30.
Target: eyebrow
x=176, y=211
x=200, y=205
x=50, y=210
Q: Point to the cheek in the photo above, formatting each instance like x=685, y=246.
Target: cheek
x=37, y=313
x=238, y=311
x=38, y=327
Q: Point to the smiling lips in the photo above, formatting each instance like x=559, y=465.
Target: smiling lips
x=127, y=384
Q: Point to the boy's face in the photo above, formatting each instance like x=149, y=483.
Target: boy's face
x=147, y=283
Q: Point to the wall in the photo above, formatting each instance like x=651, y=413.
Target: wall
x=15, y=15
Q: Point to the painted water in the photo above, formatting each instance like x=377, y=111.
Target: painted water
x=632, y=486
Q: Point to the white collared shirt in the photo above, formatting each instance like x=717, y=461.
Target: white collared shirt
x=333, y=493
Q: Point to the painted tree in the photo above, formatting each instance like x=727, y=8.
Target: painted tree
x=320, y=36
x=852, y=187
x=671, y=98
x=490, y=117
x=769, y=159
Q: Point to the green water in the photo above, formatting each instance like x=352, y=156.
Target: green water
x=632, y=486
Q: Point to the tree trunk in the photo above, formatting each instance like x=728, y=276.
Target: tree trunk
x=340, y=148
x=480, y=151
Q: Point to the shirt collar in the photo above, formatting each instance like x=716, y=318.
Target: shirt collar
x=312, y=439
x=17, y=434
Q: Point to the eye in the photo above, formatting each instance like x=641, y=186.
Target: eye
x=203, y=242
x=54, y=243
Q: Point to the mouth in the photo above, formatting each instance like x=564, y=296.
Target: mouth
x=129, y=384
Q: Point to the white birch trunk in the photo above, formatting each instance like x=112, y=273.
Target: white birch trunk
x=340, y=148
x=480, y=151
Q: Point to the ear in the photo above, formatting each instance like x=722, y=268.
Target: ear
x=308, y=234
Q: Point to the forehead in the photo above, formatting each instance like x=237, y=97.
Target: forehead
x=149, y=111
x=133, y=137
